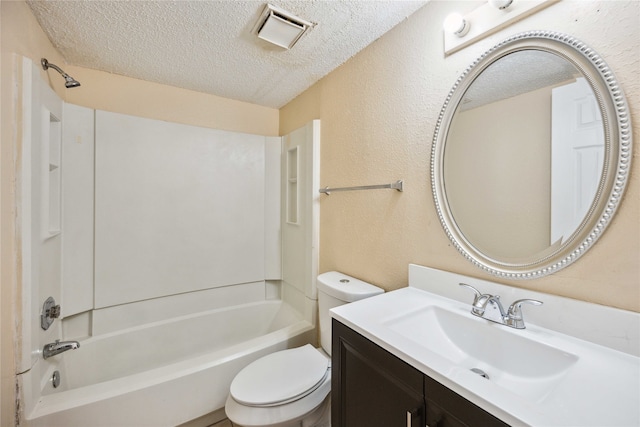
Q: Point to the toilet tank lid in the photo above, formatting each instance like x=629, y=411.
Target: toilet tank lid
x=346, y=288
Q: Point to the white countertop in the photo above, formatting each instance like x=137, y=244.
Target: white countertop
x=600, y=386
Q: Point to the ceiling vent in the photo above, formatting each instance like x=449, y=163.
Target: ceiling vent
x=280, y=27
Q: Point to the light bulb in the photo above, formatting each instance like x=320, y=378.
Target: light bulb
x=500, y=4
x=456, y=24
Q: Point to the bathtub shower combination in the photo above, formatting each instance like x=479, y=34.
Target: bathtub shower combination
x=168, y=372
x=172, y=258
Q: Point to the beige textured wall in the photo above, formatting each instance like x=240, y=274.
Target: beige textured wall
x=112, y=92
x=501, y=218
x=378, y=113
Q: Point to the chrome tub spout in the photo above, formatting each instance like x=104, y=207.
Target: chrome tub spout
x=58, y=347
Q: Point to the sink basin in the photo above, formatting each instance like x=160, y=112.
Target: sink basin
x=500, y=354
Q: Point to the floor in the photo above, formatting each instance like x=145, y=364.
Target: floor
x=214, y=419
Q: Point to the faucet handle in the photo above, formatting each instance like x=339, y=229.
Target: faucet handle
x=514, y=313
x=479, y=300
x=477, y=292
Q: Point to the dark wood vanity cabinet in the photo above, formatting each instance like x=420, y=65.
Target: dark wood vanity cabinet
x=370, y=387
x=446, y=408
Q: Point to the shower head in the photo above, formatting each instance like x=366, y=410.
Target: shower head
x=69, y=81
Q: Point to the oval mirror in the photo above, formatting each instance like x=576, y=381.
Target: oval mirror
x=530, y=155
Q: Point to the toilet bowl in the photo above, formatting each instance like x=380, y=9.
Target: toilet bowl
x=291, y=388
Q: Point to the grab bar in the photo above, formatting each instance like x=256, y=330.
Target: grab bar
x=398, y=185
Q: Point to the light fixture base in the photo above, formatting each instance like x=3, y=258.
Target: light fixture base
x=486, y=20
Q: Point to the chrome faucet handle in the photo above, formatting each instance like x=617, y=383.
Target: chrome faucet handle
x=477, y=292
x=479, y=300
x=514, y=314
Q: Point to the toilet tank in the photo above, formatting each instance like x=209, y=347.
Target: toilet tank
x=336, y=289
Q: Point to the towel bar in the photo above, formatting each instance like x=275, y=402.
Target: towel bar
x=398, y=185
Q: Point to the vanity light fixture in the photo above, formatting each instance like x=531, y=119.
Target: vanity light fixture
x=279, y=27
x=491, y=16
x=456, y=24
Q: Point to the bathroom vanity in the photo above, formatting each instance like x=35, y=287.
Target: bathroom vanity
x=417, y=356
x=372, y=387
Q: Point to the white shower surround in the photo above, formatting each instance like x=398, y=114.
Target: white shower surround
x=177, y=208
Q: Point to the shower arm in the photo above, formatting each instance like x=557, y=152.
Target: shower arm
x=70, y=82
x=46, y=65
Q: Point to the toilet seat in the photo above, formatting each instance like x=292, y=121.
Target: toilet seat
x=280, y=378
x=313, y=405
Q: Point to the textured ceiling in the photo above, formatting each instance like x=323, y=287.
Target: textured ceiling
x=207, y=46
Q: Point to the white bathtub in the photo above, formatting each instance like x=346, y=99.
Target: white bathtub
x=168, y=372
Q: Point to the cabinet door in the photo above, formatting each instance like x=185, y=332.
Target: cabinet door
x=371, y=387
x=445, y=408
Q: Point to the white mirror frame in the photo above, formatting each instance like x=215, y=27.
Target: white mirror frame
x=617, y=157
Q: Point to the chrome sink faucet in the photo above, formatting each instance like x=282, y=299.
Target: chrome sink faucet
x=489, y=307
x=58, y=347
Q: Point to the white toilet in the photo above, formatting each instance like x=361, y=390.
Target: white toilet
x=290, y=388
